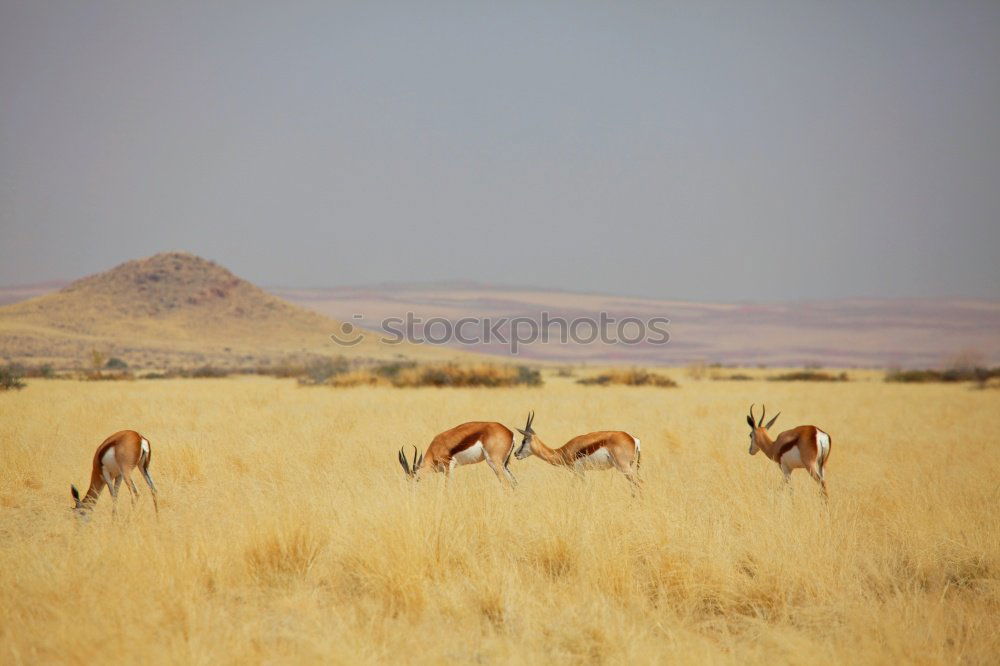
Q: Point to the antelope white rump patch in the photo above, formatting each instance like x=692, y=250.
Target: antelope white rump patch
x=823, y=444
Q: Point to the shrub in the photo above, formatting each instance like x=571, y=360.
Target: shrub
x=809, y=376
x=44, y=370
x=10, y=379
x=631, y=377
x=913, y=376
x=356, y=378
x=320, y=371
x=156, y=375
x=406, y=374
x=484, y=374
x=115, y=363
x=208, y=371
x=954, y=374
x=528, y=376
x=392, y=370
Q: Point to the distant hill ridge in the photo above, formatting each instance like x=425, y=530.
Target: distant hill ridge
x=167, y=283
x=172, y=288
x=177, y=309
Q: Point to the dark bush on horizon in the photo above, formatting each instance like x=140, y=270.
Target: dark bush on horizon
x=629, y=377
x=407, y=374
x=809, y=376
x=738, y=377
x=10, y=378
x=950, y=375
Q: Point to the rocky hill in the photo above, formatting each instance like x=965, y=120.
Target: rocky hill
x=172, y=309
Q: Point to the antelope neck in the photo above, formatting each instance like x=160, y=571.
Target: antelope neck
x=540, y=449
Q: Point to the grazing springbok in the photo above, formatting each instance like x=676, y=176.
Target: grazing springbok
x=464, y=445
x=805, y=446
x=114, y=460
x=596, y=450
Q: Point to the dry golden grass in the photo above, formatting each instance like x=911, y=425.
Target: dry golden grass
x=288, y=534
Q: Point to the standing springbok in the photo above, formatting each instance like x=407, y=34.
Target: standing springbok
x=464, y=445
x=596, y=450
x=805, y=446
x=114, y=460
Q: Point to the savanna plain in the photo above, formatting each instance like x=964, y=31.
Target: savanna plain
x=287, y=532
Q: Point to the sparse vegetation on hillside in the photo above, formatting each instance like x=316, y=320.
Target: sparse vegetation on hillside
x=628, y=377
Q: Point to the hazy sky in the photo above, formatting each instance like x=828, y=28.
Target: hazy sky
x=691, y=150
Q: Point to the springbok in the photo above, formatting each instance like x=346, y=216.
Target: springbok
x=464, y=445
x=805, y=446
x=597, y=450
x=114, y=460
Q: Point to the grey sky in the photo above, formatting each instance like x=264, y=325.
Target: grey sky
x=690, y=150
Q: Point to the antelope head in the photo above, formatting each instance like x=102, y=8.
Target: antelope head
x=757, y=430
x=81, y=508
x=411, y=469
x=525, y=449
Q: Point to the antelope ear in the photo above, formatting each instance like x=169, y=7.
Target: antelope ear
x=750, y=422
x=771, y=422
x=520, y=431
x=74, y=492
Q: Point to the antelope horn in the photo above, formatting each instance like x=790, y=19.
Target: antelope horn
x=752, y=417
x=402, y=461
x=763, y=410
